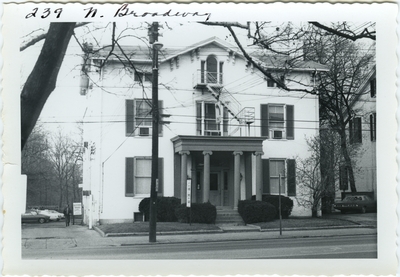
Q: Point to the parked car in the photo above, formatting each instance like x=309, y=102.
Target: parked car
x=33, y=216
x=54, y=215
x=361, y=203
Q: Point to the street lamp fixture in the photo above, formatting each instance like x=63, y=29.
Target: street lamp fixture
x=157, y=46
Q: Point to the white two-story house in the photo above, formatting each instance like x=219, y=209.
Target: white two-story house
x=230, y=130
x=362, y=133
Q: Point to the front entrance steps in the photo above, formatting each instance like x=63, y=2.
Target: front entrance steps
x=229, y=216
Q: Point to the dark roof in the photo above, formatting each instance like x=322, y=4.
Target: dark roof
x=143, y=54
x=285, y=61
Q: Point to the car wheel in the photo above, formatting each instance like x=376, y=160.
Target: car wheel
x=58, y=219
x=343, y=212
x=42, y=220
x=363, y=210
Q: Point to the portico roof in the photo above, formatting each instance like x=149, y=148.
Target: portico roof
x=211, y=143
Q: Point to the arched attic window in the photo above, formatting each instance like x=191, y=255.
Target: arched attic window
x=211, y=70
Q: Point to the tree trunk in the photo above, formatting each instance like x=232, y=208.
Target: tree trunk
x=347, y=159
x=42, y=80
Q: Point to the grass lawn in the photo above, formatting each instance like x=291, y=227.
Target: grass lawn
x=138, y=227
x=305, y=222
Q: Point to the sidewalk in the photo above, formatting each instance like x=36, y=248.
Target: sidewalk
x=59, y=237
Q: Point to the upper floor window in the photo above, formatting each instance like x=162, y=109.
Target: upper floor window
x=211, y=71
x=212, y=119
x=139, y=120
x=372, y=87
x=143, y=76
x=355, y=130
x=277, y=121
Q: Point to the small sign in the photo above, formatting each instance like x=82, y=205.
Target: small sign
x=77, y=208
x=188, y=193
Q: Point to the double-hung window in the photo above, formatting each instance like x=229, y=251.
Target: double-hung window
x=277, y=121
x=355, y=130
x=211, y=119
x=139, y=120
x=283, y=168
x=138, y=176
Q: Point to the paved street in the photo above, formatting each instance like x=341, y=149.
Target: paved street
x=363, y=246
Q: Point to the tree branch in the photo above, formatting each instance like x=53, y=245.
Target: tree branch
x=40, y=37
x=364, y=34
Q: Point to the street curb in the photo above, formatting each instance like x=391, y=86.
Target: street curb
x=320, y=228
x=281, y=237
x=198, y=232
x=256, y=228
x=99, y=231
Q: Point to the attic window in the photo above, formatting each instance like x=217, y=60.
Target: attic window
x=143, y=76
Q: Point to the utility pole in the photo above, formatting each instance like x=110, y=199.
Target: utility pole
x=153, y=38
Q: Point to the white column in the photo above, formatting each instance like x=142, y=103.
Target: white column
x=206, y=177
x=184, y=155
x=259, y=175
x=236, y=190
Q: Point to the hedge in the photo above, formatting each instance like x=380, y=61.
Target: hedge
x=253, y=211
x=286, y=203
x=165, y=208
x=200, y=212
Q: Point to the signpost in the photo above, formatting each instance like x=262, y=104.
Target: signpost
x=76, y=210
x=189, y=198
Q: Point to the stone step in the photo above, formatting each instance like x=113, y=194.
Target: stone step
x=228, y=216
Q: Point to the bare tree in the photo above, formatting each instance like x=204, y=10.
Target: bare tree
x=332, y=46
x=65, y=156
x=349, y=65
x=36, y=164
x=314, y=186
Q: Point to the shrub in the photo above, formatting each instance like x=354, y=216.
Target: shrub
x=256, y=211
x=286, y=202
x=200, y=212
x=165, y=208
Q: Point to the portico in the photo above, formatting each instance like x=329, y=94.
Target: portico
x=222, y=170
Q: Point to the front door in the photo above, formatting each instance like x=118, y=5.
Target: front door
x=215, y=180
x=219, y=189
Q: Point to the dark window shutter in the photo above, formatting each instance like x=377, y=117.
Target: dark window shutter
x=358, y=130
x=160, y=176
x=160, y=112
x=290, y=122
x=375, y=126
x=343, y=180
x=202, y=73
x=264, y=121
x=351, y=133
x=372, y=84
x=291, y=177
x=265, y=169
x=130, y=117
x=371, y=127
x=129, y=179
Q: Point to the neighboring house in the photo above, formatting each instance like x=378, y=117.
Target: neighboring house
x=231, y=131
x=362, y=132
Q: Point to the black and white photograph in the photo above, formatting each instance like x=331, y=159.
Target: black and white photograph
x=199, y=139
